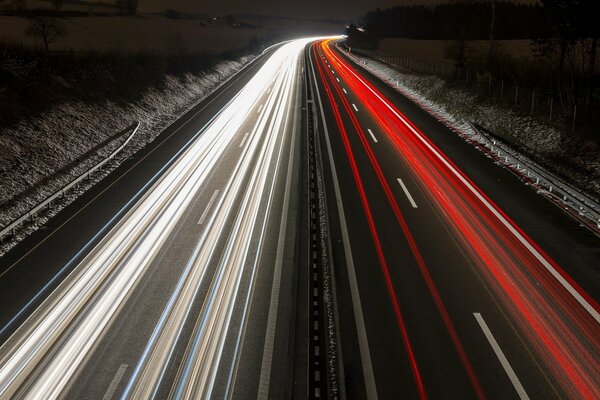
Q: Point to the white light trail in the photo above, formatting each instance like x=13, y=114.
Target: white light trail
x=40, y=359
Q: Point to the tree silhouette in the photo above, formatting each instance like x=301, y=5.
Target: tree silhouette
x=46, y=28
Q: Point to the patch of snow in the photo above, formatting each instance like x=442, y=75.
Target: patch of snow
x=457, y=108
x=35, y=149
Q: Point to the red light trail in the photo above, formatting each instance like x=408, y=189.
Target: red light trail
x=558, y=319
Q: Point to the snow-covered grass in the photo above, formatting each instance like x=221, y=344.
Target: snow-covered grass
x=556, y=151
x=35, y=149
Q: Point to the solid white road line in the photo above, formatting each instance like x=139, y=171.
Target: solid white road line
x=541, y=258
x=407, y=193
x=259, y=109
x=354, y=105
x=363, y=342
x=115, y=382
x=244, y=139
x=267, y=360
x=500, y=354
x=344, y=91
x=372, y=135
x=208, y=207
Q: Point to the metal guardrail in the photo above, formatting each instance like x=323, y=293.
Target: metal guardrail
x=551, y=185
x=60, y=192
x=548, y=183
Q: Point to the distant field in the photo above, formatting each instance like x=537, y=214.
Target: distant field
x=433, y=50
x=151, y=32
x=33, y=4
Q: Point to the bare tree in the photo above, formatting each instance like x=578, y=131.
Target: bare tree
x=46, y=28
x=492, y=26
x=462, y=18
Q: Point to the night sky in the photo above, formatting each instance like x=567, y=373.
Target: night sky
x=299, y=8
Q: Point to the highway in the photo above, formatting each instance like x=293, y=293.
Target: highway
x=172, y=277
x=454, y=279
x=184, y=274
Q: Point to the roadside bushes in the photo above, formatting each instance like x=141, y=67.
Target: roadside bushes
x=33, y=80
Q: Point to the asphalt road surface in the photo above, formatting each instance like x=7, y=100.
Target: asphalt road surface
x=454, y=280
x=171, y=278
x=179, y=275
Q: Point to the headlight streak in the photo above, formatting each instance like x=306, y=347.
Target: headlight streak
x=557, y=318
x=232, y=262
x=196, y=378
x=257, y=259
x=41, y=357
x=102, y=230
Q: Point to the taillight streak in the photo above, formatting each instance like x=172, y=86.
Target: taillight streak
x=376, y=241
x=413, y=247
x=561, y=330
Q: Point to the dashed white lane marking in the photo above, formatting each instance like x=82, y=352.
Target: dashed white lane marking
x=259, y=109
x=363, y=342
x=407, y=193
x=354, y=105
x=542, y=259
x=244, y=139
x=372, y=135
x=115, y=382
x=501, y=357
x=208, y=207
x=344, y=90
x=337, y=79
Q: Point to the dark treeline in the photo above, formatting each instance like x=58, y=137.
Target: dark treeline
x=563, y=37
x=449, y=21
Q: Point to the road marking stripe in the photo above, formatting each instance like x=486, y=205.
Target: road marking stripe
x=115, y=382
x=338, y=79
x=208, y=206
x=525, y=241
x=501, y=357
x=344, y=91
x=244, y=139
x=407, y=193
x=230, y=81
x=372, y=135
x=259, y=109
x=354, y=105
x=267, y=360
x=363, y=342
